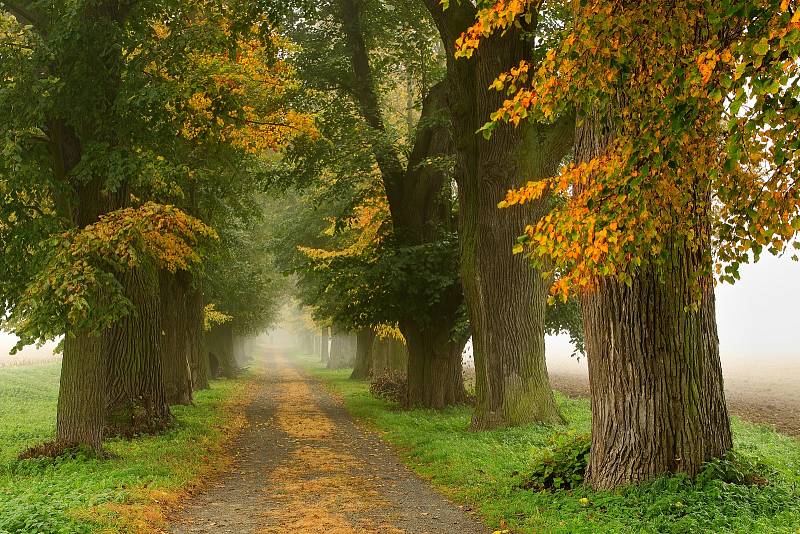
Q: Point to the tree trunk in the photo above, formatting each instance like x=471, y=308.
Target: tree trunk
x=343, y=349
x=196, y=351
x=505, y=297
x=241, y=351
x=363, y=365
x=81, y=397
x=658, y=404
x=434, y=375
x=136, y=401
x=175, y=336
x=324, y=349
x=389, y=355
x=420, y=204
x=219, y=342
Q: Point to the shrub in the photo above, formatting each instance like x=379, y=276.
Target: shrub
x=562, y=465
x=389, y=385
x=735, y=468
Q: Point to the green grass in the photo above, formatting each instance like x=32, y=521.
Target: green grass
x=77, y=495
x=483, y=469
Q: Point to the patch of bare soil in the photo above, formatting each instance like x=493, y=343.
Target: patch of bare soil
x=763, y=394
x=301, y=465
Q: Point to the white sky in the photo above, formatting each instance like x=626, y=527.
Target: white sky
x=758, y=318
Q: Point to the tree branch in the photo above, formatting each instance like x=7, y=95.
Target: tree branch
x=451, y=22
x=22, y=14
x=367, y=98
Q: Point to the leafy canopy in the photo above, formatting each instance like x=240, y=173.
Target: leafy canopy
x=698, y=103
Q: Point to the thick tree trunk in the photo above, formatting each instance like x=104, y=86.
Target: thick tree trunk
x=136, y=401
x=343, y=349
x=80, y=414
x=389, y=355
x=434, y=374
x=505, y=297
x=324, y=349
x=81, y=397
x=363, y=364
x=420, y=203
x=175, y=336
x=658, y=404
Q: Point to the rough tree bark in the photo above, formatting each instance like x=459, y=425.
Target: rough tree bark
x=505, y=298
x=324, y=349
x=658, y=404
x=136, y=401
x=363, y=364
x=175, y=336
x=434, y=373
x=419, y=198
x=80, y=414
x=81, y=396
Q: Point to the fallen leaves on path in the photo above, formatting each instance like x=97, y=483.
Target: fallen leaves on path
x=317, y=489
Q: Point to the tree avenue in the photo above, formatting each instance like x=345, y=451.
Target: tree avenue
x=109, y=128
x=399, y=177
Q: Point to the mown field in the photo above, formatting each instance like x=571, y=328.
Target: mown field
x=128, y=492
x=484, y=470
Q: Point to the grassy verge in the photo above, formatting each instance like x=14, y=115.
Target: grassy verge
x=129, y=492
x=484, y=469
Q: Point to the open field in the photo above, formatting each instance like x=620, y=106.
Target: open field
x=483, y=471
x=28, y=355
x=128, y=492
x=767, y=394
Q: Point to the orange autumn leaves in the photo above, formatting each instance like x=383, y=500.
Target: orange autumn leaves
x=367, y=219
x=695, y=110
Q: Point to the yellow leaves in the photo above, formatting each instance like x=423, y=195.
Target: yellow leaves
x=213, y=317
x=199, y=102
x=160, y=30
x=532, y=191
x=498, y=17
x=706, y=63
x=243, y=103
x=366, y=221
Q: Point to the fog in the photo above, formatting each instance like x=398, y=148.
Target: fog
x=758, y=318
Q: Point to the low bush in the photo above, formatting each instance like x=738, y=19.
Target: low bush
x=736, y=468
x=562, y=465
x=389, y=385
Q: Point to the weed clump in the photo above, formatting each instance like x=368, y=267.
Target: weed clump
x=389, y=385
x=561, y=466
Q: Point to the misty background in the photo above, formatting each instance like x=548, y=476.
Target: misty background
x=758, y=319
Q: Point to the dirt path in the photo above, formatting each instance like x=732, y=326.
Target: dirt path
x=301, y=465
